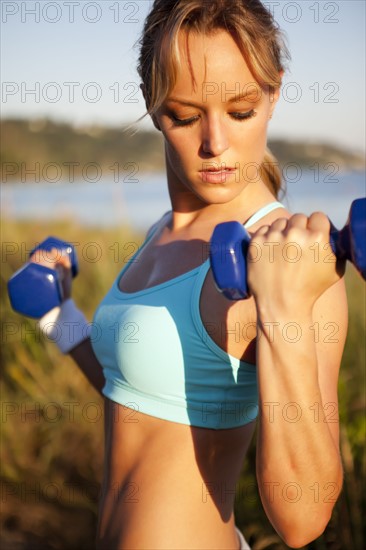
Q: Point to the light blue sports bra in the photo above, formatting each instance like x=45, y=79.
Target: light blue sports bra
x=159, y=359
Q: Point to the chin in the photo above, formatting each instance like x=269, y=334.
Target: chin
x=219, y=196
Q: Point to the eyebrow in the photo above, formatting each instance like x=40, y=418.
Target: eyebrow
x=239, y=97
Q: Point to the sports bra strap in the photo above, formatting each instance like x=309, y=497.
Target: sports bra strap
x=263, y=212
x=252, y=220
x=156, y=225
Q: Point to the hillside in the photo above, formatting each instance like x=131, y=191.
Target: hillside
x=67, y=153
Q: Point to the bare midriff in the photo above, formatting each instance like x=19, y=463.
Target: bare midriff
x=168, y=485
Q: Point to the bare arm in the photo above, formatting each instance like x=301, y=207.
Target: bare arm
x=298, y=459
x=85, y=358
x=83, y=354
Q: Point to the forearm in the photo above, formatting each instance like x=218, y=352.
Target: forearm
x=298, y=462
x=69, y=329
x=85, y=358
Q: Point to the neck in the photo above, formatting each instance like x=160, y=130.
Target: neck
x=189, y=210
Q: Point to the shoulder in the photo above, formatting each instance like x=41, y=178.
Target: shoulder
x=161, y=221
x=268, y=219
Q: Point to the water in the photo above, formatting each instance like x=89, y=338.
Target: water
x=139, y=204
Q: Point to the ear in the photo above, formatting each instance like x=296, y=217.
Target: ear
x=153, y=117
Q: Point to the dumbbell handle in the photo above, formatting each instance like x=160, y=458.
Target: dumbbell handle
x=230, y=243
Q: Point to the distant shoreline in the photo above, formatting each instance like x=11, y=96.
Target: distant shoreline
x=108, y=203
x=32, y=150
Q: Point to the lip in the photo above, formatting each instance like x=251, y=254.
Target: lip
x=212, y=175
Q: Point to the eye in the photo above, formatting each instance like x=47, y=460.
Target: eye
x=244, y=116
x=184, y=121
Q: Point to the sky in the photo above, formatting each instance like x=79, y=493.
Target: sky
x=74, y=61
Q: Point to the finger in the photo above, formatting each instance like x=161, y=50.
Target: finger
x=64, y=260
x=318, y=221
x=45, y=257
x=263, y=230
x=279, y=225
x=297, y=220
x=51, y=258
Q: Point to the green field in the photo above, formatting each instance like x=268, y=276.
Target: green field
x=52, y=419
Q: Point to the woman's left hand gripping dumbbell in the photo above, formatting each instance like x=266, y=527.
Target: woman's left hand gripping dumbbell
x=42, y=289
x=291, y=263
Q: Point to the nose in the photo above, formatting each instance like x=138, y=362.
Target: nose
x=214, y=137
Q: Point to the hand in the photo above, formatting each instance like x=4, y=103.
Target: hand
x=54, y=259
x=291, y=263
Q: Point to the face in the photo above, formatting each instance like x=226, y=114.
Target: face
x=215, y=127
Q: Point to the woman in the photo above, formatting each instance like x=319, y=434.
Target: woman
x=184, y=378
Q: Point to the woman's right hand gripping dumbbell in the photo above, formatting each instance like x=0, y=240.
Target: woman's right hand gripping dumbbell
x=64, y=324
x=40, y=285
x=42, y=289
x=58, y=260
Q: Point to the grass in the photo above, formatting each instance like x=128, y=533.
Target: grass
x=52, y=419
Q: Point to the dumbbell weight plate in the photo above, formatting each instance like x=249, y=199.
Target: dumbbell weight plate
x=24, y=290
x=357, y=221
x=228, y=250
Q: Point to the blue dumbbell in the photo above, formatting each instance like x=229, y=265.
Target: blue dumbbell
x=230, y=241
x=35, y=289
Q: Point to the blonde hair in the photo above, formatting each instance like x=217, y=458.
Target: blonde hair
x=249, y=23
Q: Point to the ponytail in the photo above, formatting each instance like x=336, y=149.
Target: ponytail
x=271, y=173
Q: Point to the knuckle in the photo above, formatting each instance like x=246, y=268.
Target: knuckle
x=318, y=213
x=261, y=230
x=317, y=236
x=319, y=218
x=297, y=218
x=37, y=258
x=274, y=235
x=279, y=222
x=295, y=234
